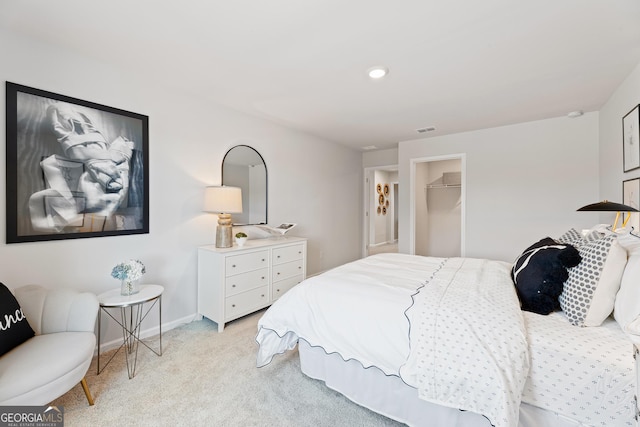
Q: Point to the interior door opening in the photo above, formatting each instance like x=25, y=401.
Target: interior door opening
x=381, y=210
x=438, y=207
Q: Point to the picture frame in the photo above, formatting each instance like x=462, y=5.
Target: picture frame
x=74, y=168
x=631, y=197
x=631, y=139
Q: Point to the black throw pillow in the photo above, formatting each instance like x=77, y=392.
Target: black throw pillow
x=14, y=328
x=540, y=272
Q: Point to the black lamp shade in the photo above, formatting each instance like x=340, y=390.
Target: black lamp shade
x=607, y=206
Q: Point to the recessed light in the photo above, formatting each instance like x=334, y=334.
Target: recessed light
x=369, y=147
x=377, y=72
x=575, y=114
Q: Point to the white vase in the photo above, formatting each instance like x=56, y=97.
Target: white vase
x=129, y=287
x=240, y=241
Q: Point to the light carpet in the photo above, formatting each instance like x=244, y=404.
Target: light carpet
x=206, y=378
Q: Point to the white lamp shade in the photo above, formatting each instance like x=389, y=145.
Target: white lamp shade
x=223, y=199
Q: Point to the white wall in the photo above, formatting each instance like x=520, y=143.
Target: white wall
x=387, y=157
x=312, y=182
x=626, y=97
x=523, y=181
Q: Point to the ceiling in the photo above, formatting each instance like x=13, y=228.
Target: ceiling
x=455, y=65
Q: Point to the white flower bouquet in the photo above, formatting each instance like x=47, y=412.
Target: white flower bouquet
x=128, y=273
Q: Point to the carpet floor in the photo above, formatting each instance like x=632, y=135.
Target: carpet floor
x=204, y=378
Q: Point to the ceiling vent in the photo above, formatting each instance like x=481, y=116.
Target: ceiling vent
x=425, y=130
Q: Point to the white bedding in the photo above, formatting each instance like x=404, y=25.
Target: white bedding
x=586, y=374
x=359, y=311
x=356, y=310
x=468, y=345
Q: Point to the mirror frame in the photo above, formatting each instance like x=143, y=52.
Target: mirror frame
x=266, y=181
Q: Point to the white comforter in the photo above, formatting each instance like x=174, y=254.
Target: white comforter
x=369, y=317
x=356, y=310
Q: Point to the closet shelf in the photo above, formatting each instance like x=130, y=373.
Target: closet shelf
x=430, y=186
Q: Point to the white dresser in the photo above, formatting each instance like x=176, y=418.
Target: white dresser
x=233, y=282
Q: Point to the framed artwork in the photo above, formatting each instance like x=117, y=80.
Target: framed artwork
x=381, y=199
x=631, y=197
x=379, y=210
x=75, y=169
x=379, y=188
x=631, y=139
x=386, y=189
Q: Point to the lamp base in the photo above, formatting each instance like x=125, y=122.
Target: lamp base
x=224, y=231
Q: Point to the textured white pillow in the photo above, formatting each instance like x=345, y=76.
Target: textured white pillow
x=627, y=306
x=589, y=294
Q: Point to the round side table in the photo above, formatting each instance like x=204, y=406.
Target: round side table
x=132, y=314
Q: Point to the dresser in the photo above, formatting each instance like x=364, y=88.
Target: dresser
x=236, y=281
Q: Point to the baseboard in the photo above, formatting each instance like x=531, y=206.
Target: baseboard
x=149, y=332
x=390, y=242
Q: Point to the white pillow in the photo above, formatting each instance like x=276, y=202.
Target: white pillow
x=589, y=294
x=627, y=305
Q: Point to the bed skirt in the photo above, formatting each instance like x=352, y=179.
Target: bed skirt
x=391, y=397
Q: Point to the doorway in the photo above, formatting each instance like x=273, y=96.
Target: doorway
x=437, y=206
x=381, y=210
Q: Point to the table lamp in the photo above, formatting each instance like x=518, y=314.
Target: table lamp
x=224, y=201
x=607, y=206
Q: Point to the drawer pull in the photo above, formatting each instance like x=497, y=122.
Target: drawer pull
x=234, y=266
x=233, y=286
x=278, y=256
x=262, y=259
x=277, y=290
x=278, y=273
x=233, y=305
x=262, y=296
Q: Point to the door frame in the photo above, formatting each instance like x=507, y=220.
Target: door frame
x=412, y=197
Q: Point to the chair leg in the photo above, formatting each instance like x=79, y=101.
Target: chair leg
x=85, y=387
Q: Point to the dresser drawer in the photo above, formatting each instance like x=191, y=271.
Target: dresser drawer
x=246, y=302
x=289, y=269
x=287, y=254
x=244, y=281
x=282, y=286
x=237, y=264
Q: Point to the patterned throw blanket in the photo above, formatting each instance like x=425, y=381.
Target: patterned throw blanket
x=468, y=342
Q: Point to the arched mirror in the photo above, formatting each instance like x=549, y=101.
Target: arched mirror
x=244, y=167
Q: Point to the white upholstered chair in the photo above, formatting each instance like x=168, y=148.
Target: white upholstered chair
x=57, y=358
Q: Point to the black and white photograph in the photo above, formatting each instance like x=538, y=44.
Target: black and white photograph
x=631, y=197
x=631, y=139
x=74, y=168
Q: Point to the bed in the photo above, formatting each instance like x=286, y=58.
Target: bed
x=403, y=336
